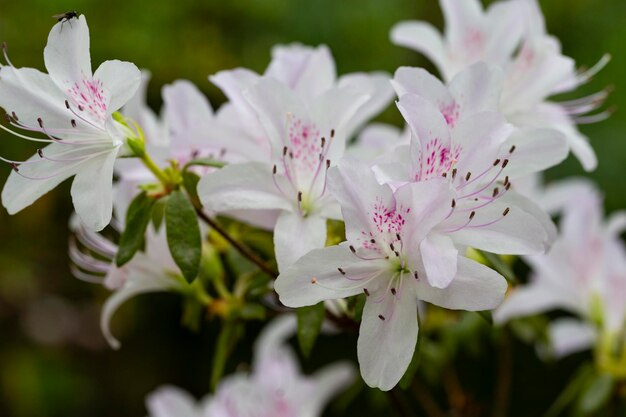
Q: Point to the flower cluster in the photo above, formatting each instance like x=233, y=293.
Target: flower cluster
x=415, y=207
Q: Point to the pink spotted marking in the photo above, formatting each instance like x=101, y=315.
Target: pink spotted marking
x=89, y=95
x=450, y=113
x=435, y=159
x=388, y=222
x=304, y=144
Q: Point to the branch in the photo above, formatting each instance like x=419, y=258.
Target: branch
x=503, y=388
x=244, y=250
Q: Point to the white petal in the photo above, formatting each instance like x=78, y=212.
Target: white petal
x=386, y=345
x=169, y=401
x=121, y=79
x=144, y=276
x=20, y=192
x=505, y=29
x=535, y=150
x=569, y=336
x=528, y=300
x=526, y=229
x=421, y=37
x=315, y=276
x=474, y=288
x=460, y=17
x=306, y=70
x=241, y=186
x=374, y=140
x=420, y=82
x=295, y=236
x=477, y=89
x=380, y=92
x=439, y=256
x=188, y=114
x=67, y=52
x=92, y=191
x=328, y=382
x=561, y=194
x=426, y=121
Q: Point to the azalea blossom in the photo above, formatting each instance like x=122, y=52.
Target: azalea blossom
x=458, y=139
x=307, y=137
x=275, y=386
x=398, y=250
x=584, y=273
x=309, y=72
x=512, y=36
x=70, y=110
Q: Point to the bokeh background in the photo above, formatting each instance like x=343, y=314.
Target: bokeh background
x=53, y=361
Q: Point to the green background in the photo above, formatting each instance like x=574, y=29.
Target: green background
x=44, y=374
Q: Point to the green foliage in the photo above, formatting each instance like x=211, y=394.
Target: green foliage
x=137, y=220
x=310, y=321
x=183, y=234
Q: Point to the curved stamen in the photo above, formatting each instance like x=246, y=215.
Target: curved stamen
x=83, y=276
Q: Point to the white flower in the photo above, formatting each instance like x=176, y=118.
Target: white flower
x=309, y=73
x=71, y=108
x=275, y=387
x=512, y=36
x=458, y=139
x=584, y=273
x=306, y=138
x=397, y=252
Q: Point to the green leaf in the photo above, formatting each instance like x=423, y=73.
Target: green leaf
x=596, y=394
x=190, y=181
x=571, y=391
x=205, y=162
x=183, y=234
x=223, y=346
x=137, y=220
x=158, y=213
x=310, y=321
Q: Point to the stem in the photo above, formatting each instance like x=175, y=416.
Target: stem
x=222, y=349
x=154, y=168
x=503, y=388
x=497, y=263
x=244, y=250
x=399, y=402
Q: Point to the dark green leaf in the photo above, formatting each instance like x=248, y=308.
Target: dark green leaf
x=310, y=321
x=137, y=220
x=571, y=391
x=596, y=394
x=253, y=311
x=158, y=213
x=183, y=234
x=224, y=345
x=190, y=181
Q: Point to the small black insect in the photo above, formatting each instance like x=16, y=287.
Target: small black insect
x=66, y=17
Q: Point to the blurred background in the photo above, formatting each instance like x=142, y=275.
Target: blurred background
x=53, y=360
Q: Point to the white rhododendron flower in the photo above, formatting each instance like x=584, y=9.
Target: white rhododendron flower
x=70, y=109
x=584, y=273
x=275, y=386
x=512, y=36
x=398, y=251
x=306, y=137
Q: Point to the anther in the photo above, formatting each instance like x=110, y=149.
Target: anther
x=496, y=162
x=392, y=247
x=366, y=291
x=80, y=107
x=506, y=180
x=290, y=154
x=332, y=133
x=393, y=291
x=274, y=169
x=341, y=271
x=323, y=142
x=372, y=241
x=445, y=174
x=40, y=121
x=8, y=117
x=495, y=192
x=453, y=173
x=380, y=316
x=352, y=249
x=416, y=275
x=4, y=46
x=67, y=104
x=505, y=163
x=15, y=167
x=453, y=203
x=313, y=280
x=507, y=186
x=327, y=163
x=14, y=116
x=398, y=236
x=472, y=214
x=299, y=196
x=506, y=211
x=73, y=123
x=467, y=177
x=40, y=153
x=512, y=149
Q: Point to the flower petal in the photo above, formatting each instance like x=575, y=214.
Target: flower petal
x=474, y=288
x=121, y=79
x=328, y=382
x=241, y=186
x=439, y=257
x=420, y=82
x=528, y=300
x=169, y=401
x=67, y=53
x=570, y=335
x=315, y=277
x=233, y=83
x=380, y=92
x=387, y=339
x=92, y=191
x=295, y=236
x=421, y=37
x=535, y=150
x=477, y=89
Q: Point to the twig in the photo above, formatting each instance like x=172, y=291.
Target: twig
x=244, y=250
x=503, y=388
x=426, y=400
